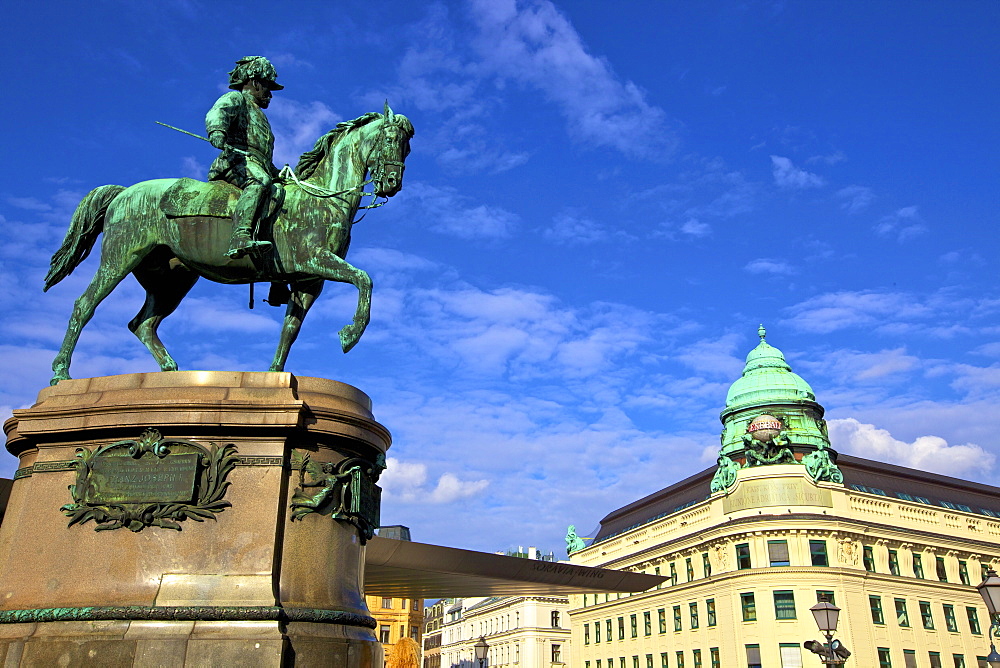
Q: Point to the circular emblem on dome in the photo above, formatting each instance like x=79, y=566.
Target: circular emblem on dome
x=765, y=427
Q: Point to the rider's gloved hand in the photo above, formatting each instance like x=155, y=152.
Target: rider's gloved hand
x=218, y=139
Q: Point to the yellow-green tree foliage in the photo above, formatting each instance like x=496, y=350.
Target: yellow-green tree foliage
x=404, y=654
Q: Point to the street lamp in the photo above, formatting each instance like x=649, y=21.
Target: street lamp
x=827, y=615
x=481, y=648
x=989, y=589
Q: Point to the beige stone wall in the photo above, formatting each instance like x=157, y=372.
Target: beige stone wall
x=793, y=509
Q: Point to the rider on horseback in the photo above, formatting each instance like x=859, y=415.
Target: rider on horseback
x=237, y=126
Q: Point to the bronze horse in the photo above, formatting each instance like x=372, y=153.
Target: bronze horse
x=167, y=254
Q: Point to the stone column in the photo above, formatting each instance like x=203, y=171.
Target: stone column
x=268, y=577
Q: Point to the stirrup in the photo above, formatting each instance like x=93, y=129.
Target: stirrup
x=242, y=245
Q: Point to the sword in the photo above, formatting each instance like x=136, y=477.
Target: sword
x=191, y=134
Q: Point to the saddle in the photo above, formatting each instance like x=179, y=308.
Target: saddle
x=214, y=199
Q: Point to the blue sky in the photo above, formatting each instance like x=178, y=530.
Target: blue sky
x=599, y=209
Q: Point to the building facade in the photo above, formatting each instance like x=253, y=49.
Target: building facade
x=751, y=544
x=433, y=623
x=524, y=631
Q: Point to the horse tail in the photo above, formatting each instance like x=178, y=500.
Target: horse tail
x=87, y=223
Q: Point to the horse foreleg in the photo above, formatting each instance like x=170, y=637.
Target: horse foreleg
x=105, y=280
x=165, y=288
x=335, y=268
x=304, y=294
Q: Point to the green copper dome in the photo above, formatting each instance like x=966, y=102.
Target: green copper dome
x=767, y=379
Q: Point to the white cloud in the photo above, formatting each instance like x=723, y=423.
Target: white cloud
x=696, y=228
x=455, y=215
x=407, y=481
x=855, y=199
x=570, y=229
x=297, y=126
x=764, y=265
x=925, y=453
x=841, y=310
x=904, y=223
x=787, y=175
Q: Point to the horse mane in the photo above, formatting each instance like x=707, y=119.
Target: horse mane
x=309, y=161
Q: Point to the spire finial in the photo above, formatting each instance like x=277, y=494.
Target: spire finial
x=761, y=332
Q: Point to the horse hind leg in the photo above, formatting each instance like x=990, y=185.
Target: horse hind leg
x=165, y=288
x=304, y=294
x=109, y=274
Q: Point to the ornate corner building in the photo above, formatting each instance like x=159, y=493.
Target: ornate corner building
x=750, y=544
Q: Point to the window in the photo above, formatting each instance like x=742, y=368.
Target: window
x=935, y=658
x=649, y=661
x=693, y=609
x=706, y=564
x=868, y=558
x=673, y=573
x=621, y=661
x=713, y=654
x=777, y=552
x=586, y=634
x=918, y=566
x=414, y=632
x=825, y=595
x=875, y=603
x=784, y=604
x=384, y=632
x=689, y=568
x=656, y=571
x=555, y=619
x=647, y=623
x=949, y=618
x=387, y=603
x=661, y=617
x=749, y=607
x=696, y=658
x=556, y=653
x=680, y=659
x=958, y=660
x=621, y=629
x=416, y=604
x=985, y=569
x=963, y=575
x=635, y=661
x=942, y=571
x=597, y=632
x=608, y=627
x=973, y=621
x=753, y=656
x=710, y=611
x=743, y=556
x=893, y=562
x=910, y=658
x=817, y=553
x=925, y=615
x=677, y=618
x=634, y=626
x=902, y=617
x=791, y=655
x=883, y=658
x=664, y=661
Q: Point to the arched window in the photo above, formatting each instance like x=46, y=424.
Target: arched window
x=555, y=619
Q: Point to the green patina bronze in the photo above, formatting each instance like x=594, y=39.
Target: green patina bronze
x=197, y=613
x=344, y=491
x=151, y=481
x=772, y=417
x=573, y=542
x=249, y=223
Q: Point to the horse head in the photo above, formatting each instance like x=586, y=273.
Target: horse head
x=388, y=151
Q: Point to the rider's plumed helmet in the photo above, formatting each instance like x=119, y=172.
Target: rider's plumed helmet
x=254, y=67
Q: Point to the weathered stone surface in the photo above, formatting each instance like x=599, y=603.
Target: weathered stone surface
x=252, y=554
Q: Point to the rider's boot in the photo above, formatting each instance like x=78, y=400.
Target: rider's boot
x=243, y=243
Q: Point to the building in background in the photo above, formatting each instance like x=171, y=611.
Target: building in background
x=433, y=623
x=522, y=631
x=396, y=617
x=751, y=544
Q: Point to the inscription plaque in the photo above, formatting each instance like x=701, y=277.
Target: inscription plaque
x=149, y=479
x=776, y=492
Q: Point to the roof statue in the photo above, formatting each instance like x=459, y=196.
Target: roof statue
x=772, y=417
x=573, y=542
x=249, y=223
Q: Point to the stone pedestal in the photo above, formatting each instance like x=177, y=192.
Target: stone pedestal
x=248, y=585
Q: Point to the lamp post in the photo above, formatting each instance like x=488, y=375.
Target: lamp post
x=989, y=589
x=827, y=615
x=481, y=648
